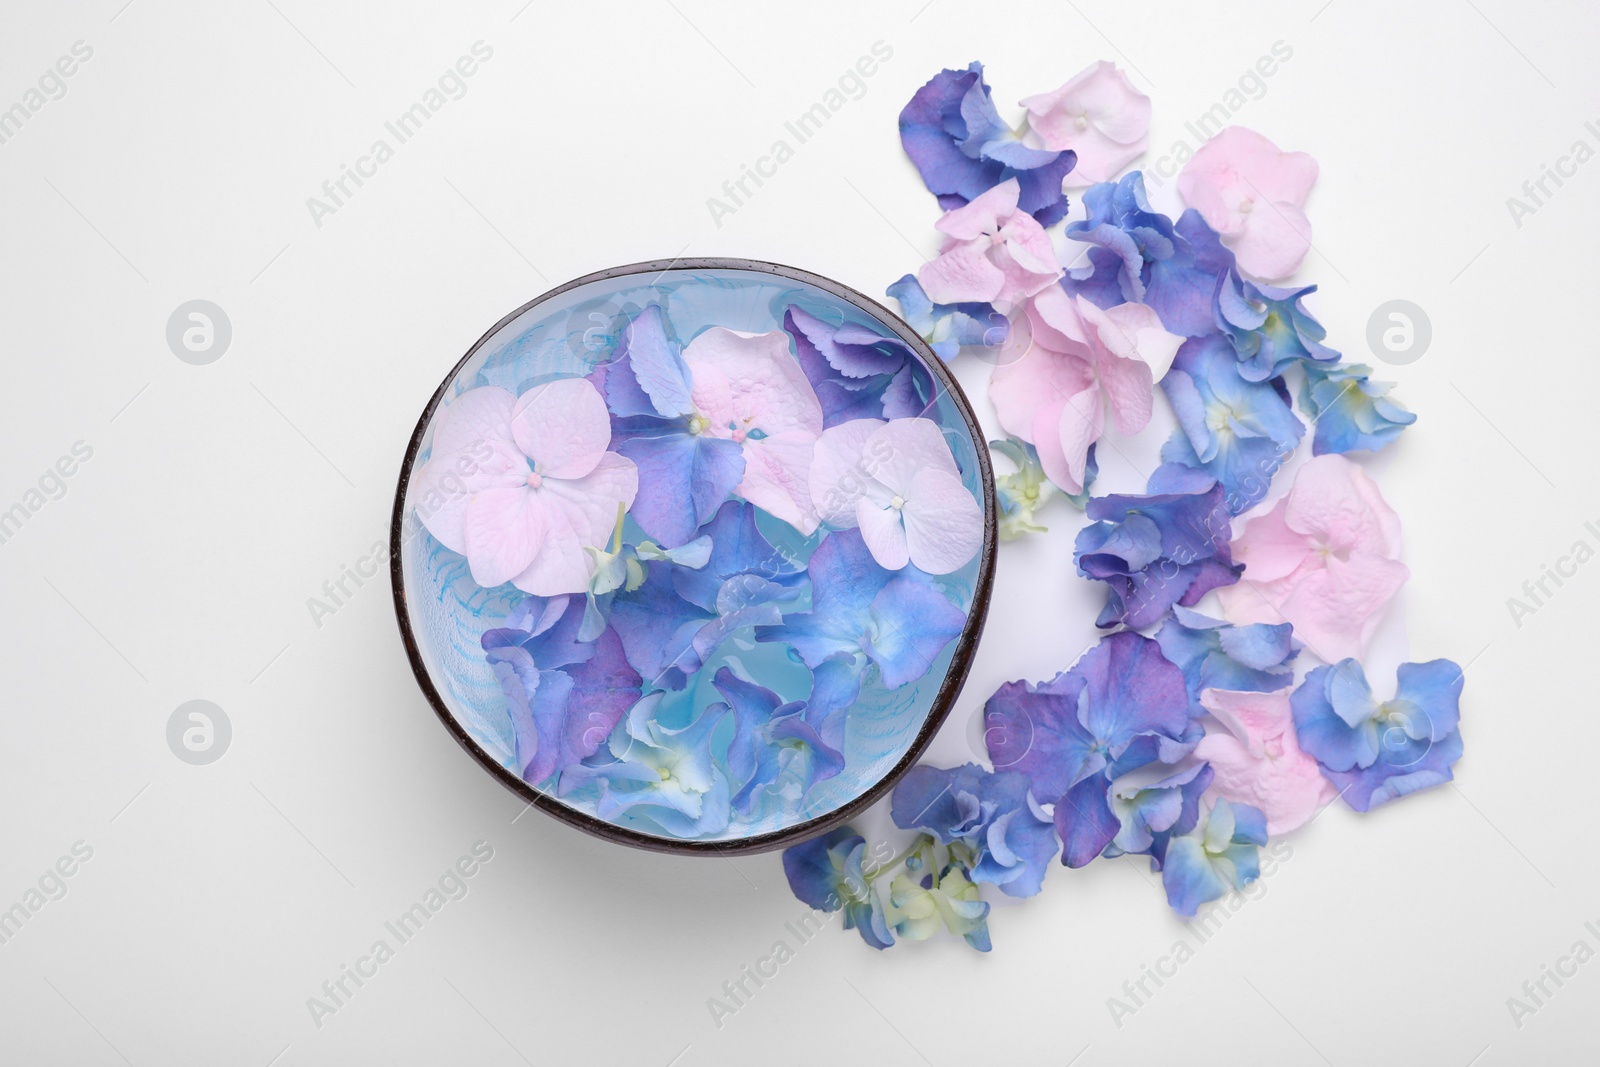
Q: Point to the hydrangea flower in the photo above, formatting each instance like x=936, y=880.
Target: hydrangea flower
x=1352, y=412
x=1155, y=551
x=548, y=493
x=1007, y=837
x=1257, y=758
x=1233, y=430
x=955, y=137
x=1099, y=115
x=672, y=622
x=898, y=482
x=1253, y=193
x=826, y=874
x=1149, y=815
x=564, y=694
x=1141, y=256
x=920, y=904
x=856, y=372
x=1026, y=489
x=769, y=736
x=1214, y=654
x=862, y=614
x=1269, y=328
x=1326, y=558
x=948, y=328
x=1221, y=854
x=994, y=253
x=668, y=775
x=1078, y=360
x=1121, y=707
x=1376, y=752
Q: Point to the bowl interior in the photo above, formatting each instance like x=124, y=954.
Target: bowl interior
x=445, y=614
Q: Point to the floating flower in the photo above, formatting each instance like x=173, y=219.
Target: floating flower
x=1326, y=558
x=826, y=874
x=897, y=621
x=1218, y=655
x=1099, y=115
x=1221, y=854
x=769, y=735
x=919, y=906
x=1007, y=837
x=672, y=621
x=1269, y=328
x=898, y=481
x=564, y=694
x=1258, y=760
x=858, y=373
x=686, y=472
x=1233, y=430
x=1142, y=256
x=962, y=149
x=1121, y=707
x=668, y=775
x=1352, y=413
x=1376, y=752
x=1078, y=360
x=948, y=328
x=548, y=493
x=1252, y=193
x=1155, y=551
x=994, y=253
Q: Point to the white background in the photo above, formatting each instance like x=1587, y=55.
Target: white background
x=219, y=498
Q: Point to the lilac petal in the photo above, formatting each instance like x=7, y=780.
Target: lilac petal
x=683, y=479
x=1085, y=821
x=912, y=622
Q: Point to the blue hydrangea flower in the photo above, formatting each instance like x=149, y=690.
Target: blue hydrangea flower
x=962, y=148
x=564, y=694
x=1155, y=551
x=684, y=474
x=769, y=736
x=861, y=614
x=1269, y=328
x=1352, y=412
x=920, y=904
x=1221, y=853
x=948, y=328
x=1376, y=752
x=1121, y=707
x=673, y=621
x=856, y=372
x=1141, y=256
x=1007, y=838
x=1236, y=431
x=1150, y=815
x=671, y=776
x=826, y=873
x=1217, y=655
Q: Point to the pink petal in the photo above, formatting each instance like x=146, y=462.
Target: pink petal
x=901, y=448
x=1022, y=386
x=962, y=274
x=837, y=479
x=884, y=534
x=504, y=530
x=1334, y=502
x=943, y=523
x=1273, y=241
x=751, y=381
x=1254, y=718
x=1132, y=353
x=442, y=487
x=579, y=514
x=1268, y=548
x=777, y=478
x=1336, y=609
x=563, y=426
x=983, y=215
x=476, y=418
x=1099, y=115
x=1289, y=789
x=1078, y=424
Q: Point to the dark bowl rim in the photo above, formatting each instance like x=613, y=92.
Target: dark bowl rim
x=944, y=699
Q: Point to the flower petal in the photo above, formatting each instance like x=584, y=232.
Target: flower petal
x=563, y=426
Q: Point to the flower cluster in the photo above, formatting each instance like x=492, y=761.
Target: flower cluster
x=692, y=521
x=1182, y=735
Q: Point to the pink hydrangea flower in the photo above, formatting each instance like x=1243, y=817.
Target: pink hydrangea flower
x=748, y=388
x=1099, y=115
x=1326, y=558
x=523, y=486
x=1257, y=759
x=1076, y=360
x=1253, y=194
x=993, y=253
x=899, y=483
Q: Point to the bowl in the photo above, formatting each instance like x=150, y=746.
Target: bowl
x=693, y=555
